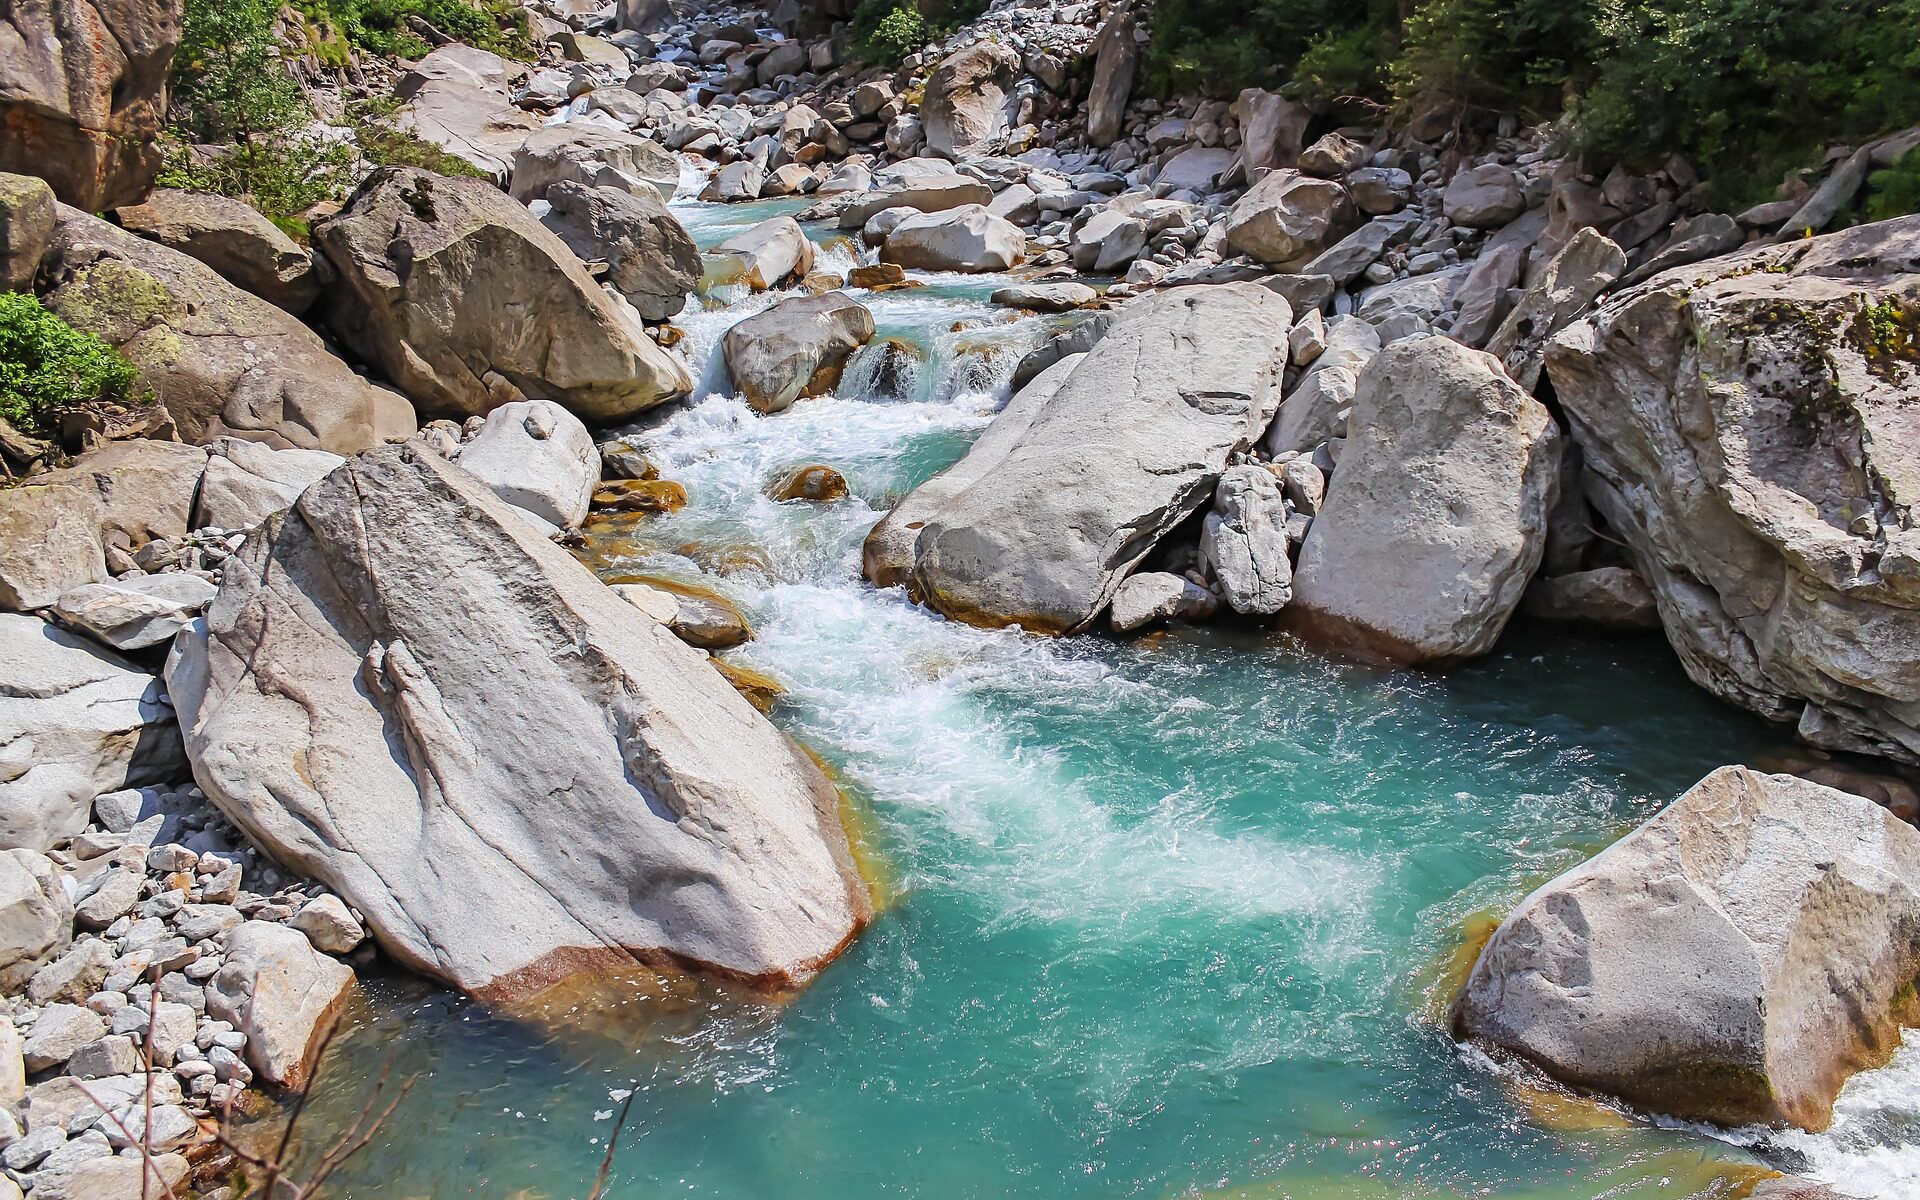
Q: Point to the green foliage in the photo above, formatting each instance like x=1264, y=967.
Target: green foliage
x=230, y=87
x=47, y=365
x=885, y=31
x=384, y=144
x=1895, y=192
x=1221, y=46
x=381, y=25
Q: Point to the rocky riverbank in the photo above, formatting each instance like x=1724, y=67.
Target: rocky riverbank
x=1380, y=389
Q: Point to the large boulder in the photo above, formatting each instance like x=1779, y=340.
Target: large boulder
x=766, y=255
x=968, y=238
x=1569, y=284
x=467, y=302
x=1273, y=129
x=1484, y=197
x=1048, y=522
x=55, y=527
x=36, y=924
x=222, y=360
x=76, y=722
x=650, y=257
x=243, y=247
x=538, y=457
x=1733, y=960
x=578, y=152
x=926, y=193
x=796, y=348
x=83, y=86
x=135, y=613
x=1437, y=514
x=398, y=665
x=28, y=212
x=1288, y=217
x=1116, y=63
x=964, y=108
x=456, y=98
x=1245, y=538
x=1750, y=435
x=246, y=482
x=283, y=994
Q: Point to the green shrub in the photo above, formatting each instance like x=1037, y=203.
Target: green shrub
x=1895, y=192
x=47, y=365
x=381, y=25
x=385, y=144
x=885, y=31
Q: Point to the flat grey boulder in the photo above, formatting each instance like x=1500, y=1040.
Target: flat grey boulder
x=1288, y=218
x=222, y=360
x=537, y=457
x=796, y=348
x=462, y=298
x=1155, y=597
x=54, y=527
x=1048, y=522
x=1750, y=435
x=1484, y=197
x=1732, y=960
x=283, y=994
x=76, y=721
x=650, y=257
x=1063, y=296
x=133, y=614
x=246, y=249
x=968, y=239
x=36, y=924
x=766, y=255
x=1437, y=514
x=593, y=155
x=738, y=181
x=964, y=108
x=407, y=692
x=919, y=193
x=246, y=482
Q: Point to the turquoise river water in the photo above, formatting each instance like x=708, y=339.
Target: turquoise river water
x=1165, y=918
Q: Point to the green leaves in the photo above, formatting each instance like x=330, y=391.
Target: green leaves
x=47, y=365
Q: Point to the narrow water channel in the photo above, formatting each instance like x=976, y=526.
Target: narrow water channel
x=1163, y=918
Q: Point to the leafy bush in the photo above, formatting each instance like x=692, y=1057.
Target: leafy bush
x=1895, y=192
x=381, y=25
x=47, y=365
x=385, y=144
x=886, y=32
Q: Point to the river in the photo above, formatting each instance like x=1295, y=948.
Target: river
x=1175, y=917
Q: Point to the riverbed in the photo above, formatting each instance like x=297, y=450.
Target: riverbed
x=1171, y=917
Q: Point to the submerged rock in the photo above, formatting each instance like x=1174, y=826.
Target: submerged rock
x=796, y=348
x=815, y=482
x=467, y=302
x=768, y=254
x=1062, y=498
x=1437, y=515
x=392, y=670
x=1732, y=960
x=1154, y=597
x=1750, y=434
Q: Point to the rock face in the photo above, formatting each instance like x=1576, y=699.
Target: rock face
x=1047, y=522
x=594, y=156
x=243, y=247
x=83, y=93
x=768, y=254
x=1116, y=61
x=1288, y=217
x=75, y=722
x=650, y=257
x=395, y=668
x=1437, y=515
x=964, y=112
x=467, y=302
x=1732, y=960
x=222, y=360
x=968, y=238
x=456, y=98
x=538, y=457
x=54, y=526
x=796, y=348
x=277, y=989
x=1750, y=434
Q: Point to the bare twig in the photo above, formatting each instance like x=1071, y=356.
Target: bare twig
x=613, y=1143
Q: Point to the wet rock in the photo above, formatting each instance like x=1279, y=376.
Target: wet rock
x=1436, y=518
x=815, y=483
x=467, y=302
x=1155, y=597
x=651, y=259
x=640, y=495
x=538, y=457
x=76, y=721
x=964, y=109
x=402, y=594
x=796, y=348
x=1052, y=515
x=222, y=360
x=1746, y=430
x=877, y=275
x=1046, y=297
x=1732, y=960
x=767, y=255
x=230, y=236
x=968, y=239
